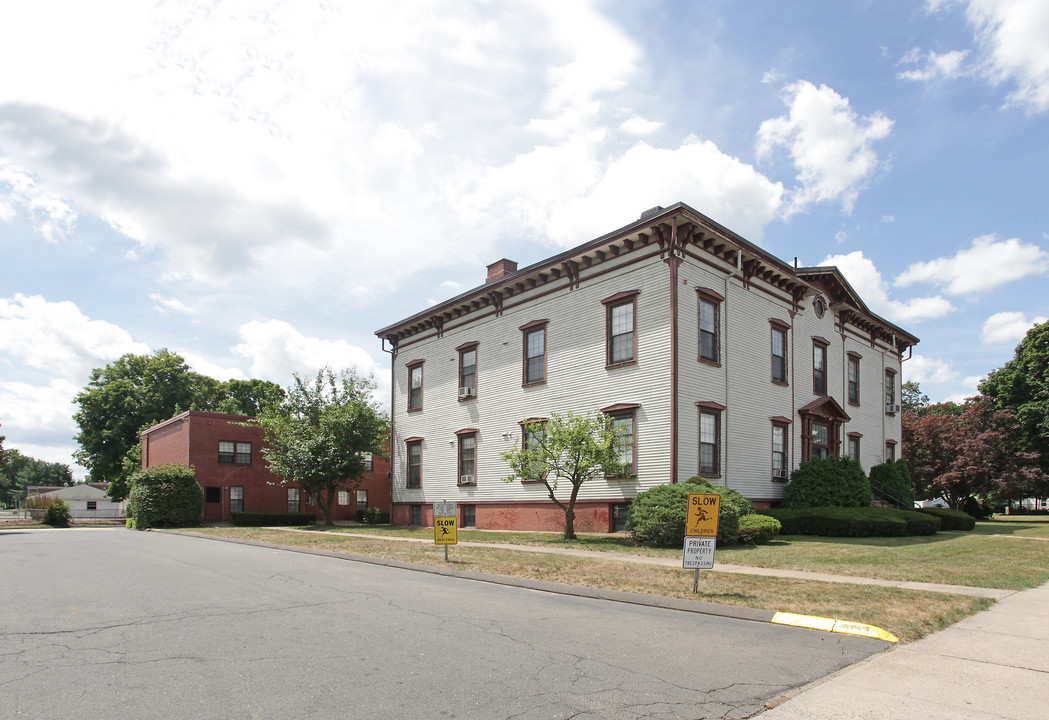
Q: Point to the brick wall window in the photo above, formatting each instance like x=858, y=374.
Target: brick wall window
x=236, y=499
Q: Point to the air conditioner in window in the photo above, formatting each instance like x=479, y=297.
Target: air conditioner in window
x=780, y=474
x=466, y=479
x=466, y=392
x=892, y=408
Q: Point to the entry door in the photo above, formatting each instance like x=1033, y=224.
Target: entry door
x=212, y=503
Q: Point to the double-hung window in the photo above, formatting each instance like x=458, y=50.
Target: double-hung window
x=710, y=439
x=890, y=391
x=414, y=447
x=779, y=352
x=293, y=500
x=854, y=445
x=624, y=422
x=234, y=452
x=620, y=336
x=415, y=385
x=819, y=366
x=236, y=498
x=467, y=456
x=709, y=325
x=534, y=349
x=780, y=438
x=533, y=431
x=854, y=379
x=467, y=371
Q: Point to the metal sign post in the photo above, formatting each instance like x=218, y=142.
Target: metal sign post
x=445, y=525
x=701, y=529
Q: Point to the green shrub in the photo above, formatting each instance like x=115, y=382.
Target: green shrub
x=58, y=514
x=258, y=519
x=828, y=482
x=952, y=519
x=165, y=496
x=892, y=482
x=657, y=515
x=373, y=516
x=742, y=505
x=854, y=522
x=757, y=529
x=976, y=509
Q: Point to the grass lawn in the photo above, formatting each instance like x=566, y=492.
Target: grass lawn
x=976, y=558
x=906, y=613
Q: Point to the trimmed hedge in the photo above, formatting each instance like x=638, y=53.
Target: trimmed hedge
x=165, y=496
x=952, y=519
x=828, y=482
x=757, y=529
x=257, y=519
x=657, y=515
x=895, y=479
x=854, y=522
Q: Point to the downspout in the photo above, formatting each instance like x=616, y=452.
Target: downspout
x=393, y=354
x=728, y=365
x=673, y=261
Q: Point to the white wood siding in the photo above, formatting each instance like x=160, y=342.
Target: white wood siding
x=576, y=381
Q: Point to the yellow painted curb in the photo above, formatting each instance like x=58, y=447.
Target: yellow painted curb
x=830, y=625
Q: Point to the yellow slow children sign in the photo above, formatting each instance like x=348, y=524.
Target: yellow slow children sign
x=703, y=512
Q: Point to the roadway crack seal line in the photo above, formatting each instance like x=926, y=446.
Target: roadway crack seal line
x=832, y=625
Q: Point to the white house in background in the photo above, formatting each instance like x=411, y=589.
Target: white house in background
x=84, y=500
x=717, y=358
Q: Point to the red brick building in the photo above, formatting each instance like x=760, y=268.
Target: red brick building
x=230, y=468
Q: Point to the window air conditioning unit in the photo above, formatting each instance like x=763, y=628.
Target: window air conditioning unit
x=466, y=479
x=780, y=474
x=465, y=392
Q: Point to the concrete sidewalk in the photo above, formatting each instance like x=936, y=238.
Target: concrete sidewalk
x=994, y=664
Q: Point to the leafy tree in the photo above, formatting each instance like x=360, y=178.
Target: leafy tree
x=120, y=399
x=19, y=471
x=912, y=399
x=138, y=391
x=1022, y=386
x=571, y=448
x=977, y=452
x=317, y=435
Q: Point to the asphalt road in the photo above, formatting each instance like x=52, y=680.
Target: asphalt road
x=102, y=623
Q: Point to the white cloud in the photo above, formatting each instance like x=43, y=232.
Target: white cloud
x=568, y=195
x=888, y=219
x=170, y=305
x=831, y=146
x=1008, y=327
x=987, y=264
x=637, y=125
x=52, y=216
x=928, y=370
x=865, y=279
x=970, y=388
x=41, y=410
x=277, y=351
x=1012, y=34
x=771, y=76
x=933, y=66
x=56, y=337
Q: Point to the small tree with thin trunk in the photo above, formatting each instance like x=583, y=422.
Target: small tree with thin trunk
x=570, y=449
x=318, y=435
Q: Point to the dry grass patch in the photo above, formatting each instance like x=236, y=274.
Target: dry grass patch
x=907, y=614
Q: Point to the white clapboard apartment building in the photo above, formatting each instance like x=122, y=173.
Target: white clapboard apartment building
x=719, y=359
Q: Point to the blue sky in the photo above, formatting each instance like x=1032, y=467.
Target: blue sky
x=259, y=187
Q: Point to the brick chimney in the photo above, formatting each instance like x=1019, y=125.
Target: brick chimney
x=500, y=268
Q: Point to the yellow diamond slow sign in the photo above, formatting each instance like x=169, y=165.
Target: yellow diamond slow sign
x=702, y=517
